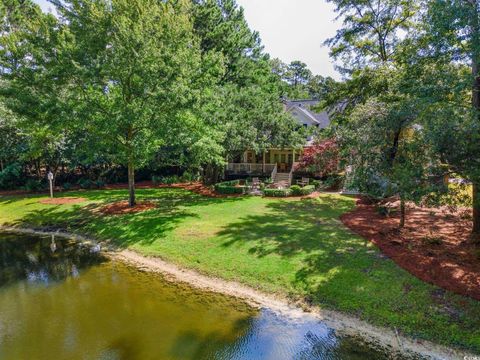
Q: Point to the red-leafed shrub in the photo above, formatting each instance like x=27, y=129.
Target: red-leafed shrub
x=322, y=158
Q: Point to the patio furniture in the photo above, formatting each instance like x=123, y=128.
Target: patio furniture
x=304, y=182
x=255, y=183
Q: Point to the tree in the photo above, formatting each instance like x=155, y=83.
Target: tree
x=371, y=30
x=244, y=111
x=136, y=71
x=298, y=73
x=447, y=47
x=322, y=158
x=411, y=172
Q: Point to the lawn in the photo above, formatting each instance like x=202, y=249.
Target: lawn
x=294, y=247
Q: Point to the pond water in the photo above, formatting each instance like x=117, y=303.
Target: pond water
x=63, y=300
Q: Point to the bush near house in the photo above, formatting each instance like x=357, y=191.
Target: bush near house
x=277, y=192
x=297, y=190
x=229, y=187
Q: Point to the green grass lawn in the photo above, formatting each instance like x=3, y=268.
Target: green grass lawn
x=294, y=247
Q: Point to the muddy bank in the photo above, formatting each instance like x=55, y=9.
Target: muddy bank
x=344, y=324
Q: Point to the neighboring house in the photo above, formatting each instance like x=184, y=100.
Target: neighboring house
x=279, y=162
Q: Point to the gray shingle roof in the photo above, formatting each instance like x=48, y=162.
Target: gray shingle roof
x=304, y=107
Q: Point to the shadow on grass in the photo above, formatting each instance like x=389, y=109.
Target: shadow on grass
x=289, y=228
x=172, y=207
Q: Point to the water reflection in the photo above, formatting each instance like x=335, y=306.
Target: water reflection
x=42, y=259
x=88, y=308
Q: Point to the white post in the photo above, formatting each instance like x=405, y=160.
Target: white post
x=50, y=179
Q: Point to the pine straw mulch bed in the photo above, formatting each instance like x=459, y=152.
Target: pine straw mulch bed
x=435, y=245
x=122, y=207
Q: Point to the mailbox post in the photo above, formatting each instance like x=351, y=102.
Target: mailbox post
x=50, y=180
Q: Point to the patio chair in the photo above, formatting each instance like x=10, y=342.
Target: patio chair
x=304, y=182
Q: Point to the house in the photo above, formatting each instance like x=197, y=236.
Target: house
x=279, y=163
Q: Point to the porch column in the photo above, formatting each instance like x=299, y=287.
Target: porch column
x=263, y=162
x=245, y=157
x=293, y=156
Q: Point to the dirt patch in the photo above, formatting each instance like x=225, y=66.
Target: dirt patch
x=122, y=207
x=434, y=246
x=62, y=201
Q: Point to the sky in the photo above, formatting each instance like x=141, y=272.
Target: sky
x=290, y=30
x=295, y=30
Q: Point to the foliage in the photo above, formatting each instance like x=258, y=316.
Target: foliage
x=34, y=185
x=169, y=180
x=230, y=187
x=322, y=158
x=85, y=183
x=277, y=192
x=11, y=176
x=156, y=180
x=296, y=190
x=371, y=30
x=99, y=184
x=307, y=190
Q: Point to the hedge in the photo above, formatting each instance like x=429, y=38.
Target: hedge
x=307, y=190
x=229, y=187
x=277, y=192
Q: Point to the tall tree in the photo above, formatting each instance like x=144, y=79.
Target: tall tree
x=298, y=73
x=136, y=67
x=245, y=109
x=448, y=81
x=371, y=30
x=369, y=44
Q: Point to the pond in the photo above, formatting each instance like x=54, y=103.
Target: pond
x=60, y=299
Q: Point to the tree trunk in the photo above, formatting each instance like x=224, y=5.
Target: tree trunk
x=402, y=213
x=131, y=184
x=476, y=105
x=476, y=209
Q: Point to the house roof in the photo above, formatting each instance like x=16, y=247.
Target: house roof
x=303, y=107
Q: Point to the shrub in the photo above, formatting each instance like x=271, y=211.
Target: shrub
x=169, y=180
x=34, y=185
x=67, y=186
x=188, y=177
x=85, y=183
x=100, y=184
x=333, y=182
x=156, y=180
x=316, y=183
x=307, y=190
x=10, y=177
x=229, y=187
x=296, y=190
x=277, y=192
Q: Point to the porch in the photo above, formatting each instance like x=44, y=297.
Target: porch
x=250, y=163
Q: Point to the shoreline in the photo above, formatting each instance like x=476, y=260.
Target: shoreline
x=343, y=323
